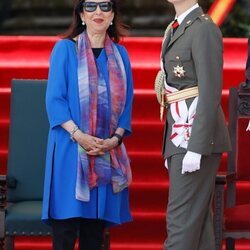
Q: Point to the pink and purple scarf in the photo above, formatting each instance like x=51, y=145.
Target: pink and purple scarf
x=101, y=107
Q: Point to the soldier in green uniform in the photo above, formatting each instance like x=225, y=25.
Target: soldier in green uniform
x=195, y=133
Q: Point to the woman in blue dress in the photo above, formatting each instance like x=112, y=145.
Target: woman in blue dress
x=89, y=104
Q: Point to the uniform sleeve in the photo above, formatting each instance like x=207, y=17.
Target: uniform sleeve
x=126, y=117
x=56, y=94
x=207, y=52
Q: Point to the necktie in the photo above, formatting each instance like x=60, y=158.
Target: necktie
x=175, y=25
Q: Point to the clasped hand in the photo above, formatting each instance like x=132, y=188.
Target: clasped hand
x=95, y=146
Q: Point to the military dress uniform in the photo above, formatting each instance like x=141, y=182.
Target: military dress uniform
x=193, y=57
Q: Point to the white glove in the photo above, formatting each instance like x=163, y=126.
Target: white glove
x=191, y=162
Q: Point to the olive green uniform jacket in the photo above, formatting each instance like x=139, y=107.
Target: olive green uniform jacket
x=197, y=46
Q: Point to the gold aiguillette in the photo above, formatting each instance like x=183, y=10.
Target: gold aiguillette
x=162, y=106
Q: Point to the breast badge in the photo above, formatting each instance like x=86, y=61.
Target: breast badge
x=179, y=71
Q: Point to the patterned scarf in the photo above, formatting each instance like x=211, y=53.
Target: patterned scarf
x=99, y=118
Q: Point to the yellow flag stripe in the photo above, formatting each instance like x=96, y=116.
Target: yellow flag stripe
x=220, y=9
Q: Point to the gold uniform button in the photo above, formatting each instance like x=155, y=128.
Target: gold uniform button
x=206, y=18
x=203, y=15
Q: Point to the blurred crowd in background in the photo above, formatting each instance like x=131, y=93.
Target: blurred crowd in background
x=144, y=17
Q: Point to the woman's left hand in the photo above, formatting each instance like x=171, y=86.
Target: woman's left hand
x=95, y=152
x=105, y=146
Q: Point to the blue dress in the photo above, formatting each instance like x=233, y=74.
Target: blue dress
x=62, y=102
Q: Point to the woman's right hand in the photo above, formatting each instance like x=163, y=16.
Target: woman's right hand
x=89, y=142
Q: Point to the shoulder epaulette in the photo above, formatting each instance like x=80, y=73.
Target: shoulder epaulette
x=205, y=18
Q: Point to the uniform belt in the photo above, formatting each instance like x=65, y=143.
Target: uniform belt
x=181, y=95
x=177, y=96
x=165, y=99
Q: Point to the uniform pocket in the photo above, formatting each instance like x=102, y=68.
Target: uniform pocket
x=180, y=55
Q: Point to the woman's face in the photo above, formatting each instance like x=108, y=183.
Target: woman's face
x=175, y=1
x=97, y=20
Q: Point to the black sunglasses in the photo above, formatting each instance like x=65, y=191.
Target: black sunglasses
x=92, y=6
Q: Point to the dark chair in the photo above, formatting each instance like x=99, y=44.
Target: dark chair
x=233, y=222
x=21, y=189
x=21, y=210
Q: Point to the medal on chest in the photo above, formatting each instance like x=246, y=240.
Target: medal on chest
x=179, y=71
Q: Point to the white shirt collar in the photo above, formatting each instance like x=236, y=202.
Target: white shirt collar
x=183, y=15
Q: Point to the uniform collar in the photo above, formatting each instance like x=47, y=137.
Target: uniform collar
x=188, y=20
x=183, y=15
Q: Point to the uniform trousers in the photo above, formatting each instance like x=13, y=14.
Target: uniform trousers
x=189, y=212
x=65, y=232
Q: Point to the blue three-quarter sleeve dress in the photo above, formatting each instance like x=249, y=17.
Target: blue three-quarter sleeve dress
x=62, y=102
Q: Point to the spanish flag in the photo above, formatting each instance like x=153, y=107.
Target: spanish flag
x=220, y=9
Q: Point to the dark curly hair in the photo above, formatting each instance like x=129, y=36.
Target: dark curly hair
x=115, y=31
